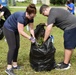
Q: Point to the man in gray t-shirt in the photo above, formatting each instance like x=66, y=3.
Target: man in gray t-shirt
x=64, y=20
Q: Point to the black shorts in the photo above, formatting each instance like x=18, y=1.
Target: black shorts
x=70, y=39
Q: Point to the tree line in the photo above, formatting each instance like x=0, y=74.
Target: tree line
x=59, y=1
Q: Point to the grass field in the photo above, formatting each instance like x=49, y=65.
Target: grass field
x=23, y=58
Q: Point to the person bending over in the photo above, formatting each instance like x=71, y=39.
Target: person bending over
x=14, y=26
x=64, y=20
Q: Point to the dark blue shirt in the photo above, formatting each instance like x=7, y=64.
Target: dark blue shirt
x=12, y=21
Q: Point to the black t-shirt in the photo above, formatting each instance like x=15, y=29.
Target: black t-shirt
x=61, y=18
x=7, y=13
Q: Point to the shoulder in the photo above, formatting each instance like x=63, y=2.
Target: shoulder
x=18, y=14
x=72, y=4
x=4, y=8
x=51, y=11
x=54, y=11
x=20, y=17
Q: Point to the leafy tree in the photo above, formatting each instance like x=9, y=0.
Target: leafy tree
x=58, y=1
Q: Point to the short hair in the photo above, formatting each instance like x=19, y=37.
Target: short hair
x=43, y=7
x=68, y=1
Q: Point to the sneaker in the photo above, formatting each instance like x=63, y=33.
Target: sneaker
x=9, y=71
x=63, y=62
x=18, y=67
x=63, y=66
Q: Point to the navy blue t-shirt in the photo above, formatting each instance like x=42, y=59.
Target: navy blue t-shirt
x=12, y=21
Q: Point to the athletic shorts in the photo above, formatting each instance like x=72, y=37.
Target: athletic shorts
x=70, y=39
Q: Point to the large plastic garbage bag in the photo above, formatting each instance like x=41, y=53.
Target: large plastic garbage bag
x=1, y=33
x=42, y=55
x=1, y=28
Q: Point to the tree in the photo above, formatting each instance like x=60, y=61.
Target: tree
x=58, y=1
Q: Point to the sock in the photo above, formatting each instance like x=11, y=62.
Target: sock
x=14, y=65
x=65, y=64
x=9, y=68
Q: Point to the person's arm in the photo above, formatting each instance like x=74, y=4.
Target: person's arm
x=68, y=7
x=1, y=14
x=21, y=31
x=47, y=31
x=31, y=29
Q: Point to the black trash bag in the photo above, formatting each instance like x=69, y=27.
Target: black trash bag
x=1, y=28
x=1, y=23
x=1, y=33
x=42, y=57
x=39, y=33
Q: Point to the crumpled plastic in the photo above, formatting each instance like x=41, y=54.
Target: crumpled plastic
x=42, y=57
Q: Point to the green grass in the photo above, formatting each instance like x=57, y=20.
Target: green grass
x=22, y=3
x=26, y=3
x=23, y=58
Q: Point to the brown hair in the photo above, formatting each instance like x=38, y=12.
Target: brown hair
x=44, y=6
x=31, y=9
x=68, y=2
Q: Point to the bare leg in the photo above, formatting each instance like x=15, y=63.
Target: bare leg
x=67, y=55
x=9, y=66
x=14, y=64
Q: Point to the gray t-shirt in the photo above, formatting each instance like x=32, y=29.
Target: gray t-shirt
x=61, y=18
